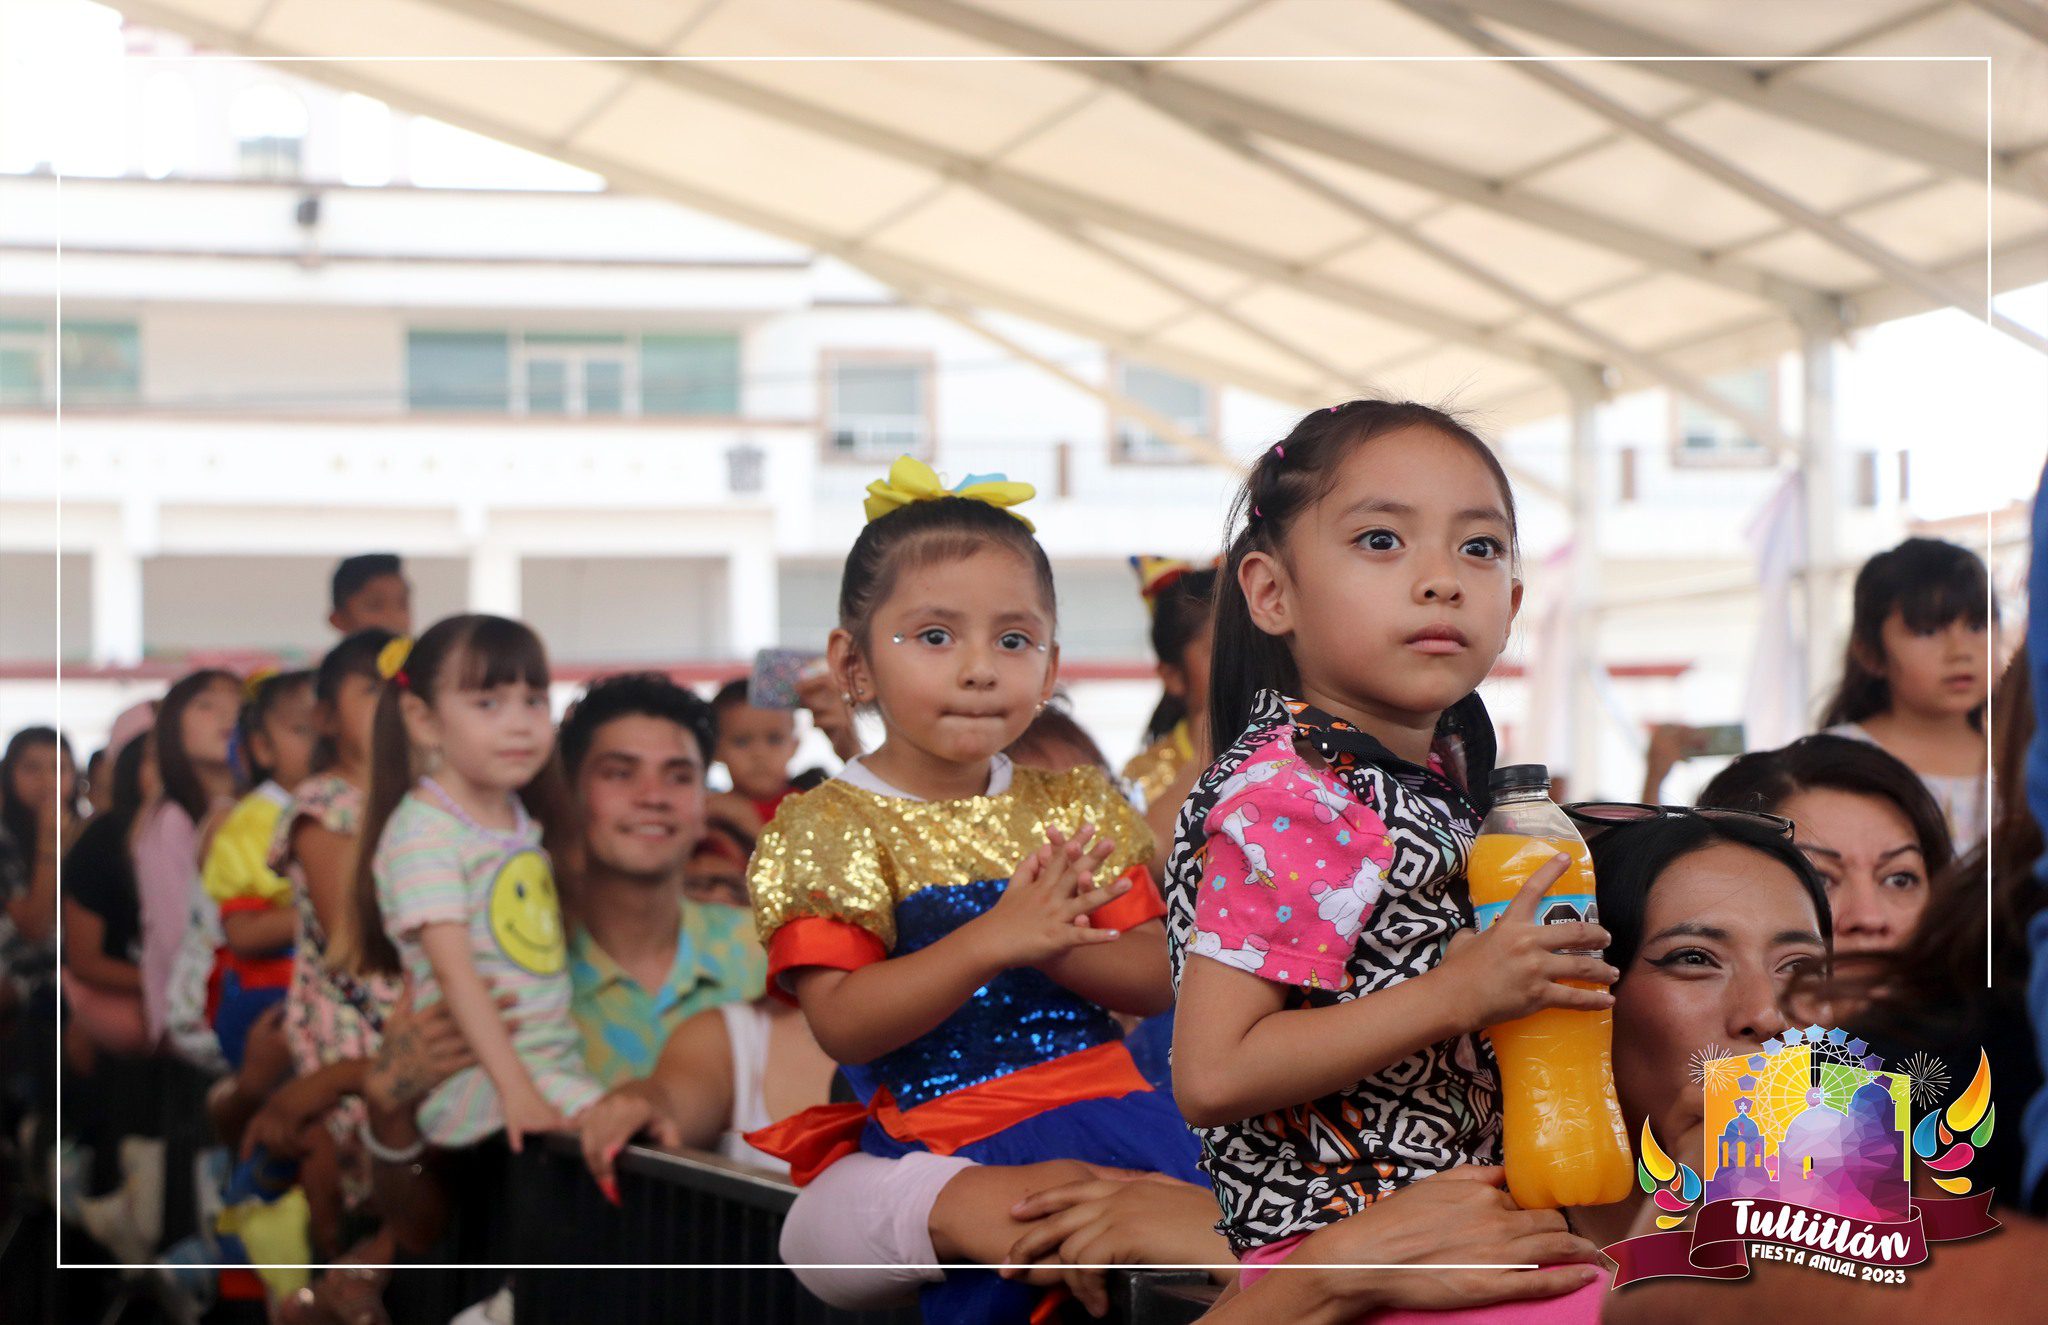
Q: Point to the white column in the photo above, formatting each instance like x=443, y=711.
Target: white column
x=1817, y=461
x=1583, y=702
x=116, y=605
x=752, y=612
x=494, y=579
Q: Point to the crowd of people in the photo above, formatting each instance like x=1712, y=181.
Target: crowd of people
x=337, y=942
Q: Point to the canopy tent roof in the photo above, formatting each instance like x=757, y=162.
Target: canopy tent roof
x=1497, y=230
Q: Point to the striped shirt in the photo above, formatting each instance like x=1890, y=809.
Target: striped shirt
x=434, y=866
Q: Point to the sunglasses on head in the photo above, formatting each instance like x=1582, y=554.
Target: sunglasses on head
x=1613, y=814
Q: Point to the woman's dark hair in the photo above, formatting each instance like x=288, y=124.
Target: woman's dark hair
x=123, y=805
x=470, y=652
x=921, y=534
x=181, y=781
x=1766, y=779
x=1628, y=860
x=1054, y=726
x=1928, y=989
x=105, y=835
x=356, y=655
x=1180, y=613
x=260, y=697
x=18, y=817
x=634, y=694
x=1285, y=482
x=126, y=801
x=1931, y=584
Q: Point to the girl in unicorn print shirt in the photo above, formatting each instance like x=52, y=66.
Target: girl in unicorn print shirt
x=1330, y=985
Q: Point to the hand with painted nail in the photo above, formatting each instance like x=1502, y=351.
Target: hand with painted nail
x=606, y=1126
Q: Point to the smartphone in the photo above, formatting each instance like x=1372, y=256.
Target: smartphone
x=777, y=674
x=1721, y=741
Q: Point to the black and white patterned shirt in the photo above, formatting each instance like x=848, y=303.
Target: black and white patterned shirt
x=1289, y=1172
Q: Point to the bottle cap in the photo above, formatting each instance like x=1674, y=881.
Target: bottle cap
x=1518, y=777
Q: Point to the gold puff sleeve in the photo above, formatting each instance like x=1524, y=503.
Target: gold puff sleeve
x=819, y=858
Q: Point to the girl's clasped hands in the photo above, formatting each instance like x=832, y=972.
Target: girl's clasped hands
x=1043, y=912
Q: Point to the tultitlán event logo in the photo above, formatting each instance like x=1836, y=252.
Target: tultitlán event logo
x=1808, y=1156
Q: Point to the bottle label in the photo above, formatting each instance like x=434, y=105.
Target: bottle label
x=1553, y=909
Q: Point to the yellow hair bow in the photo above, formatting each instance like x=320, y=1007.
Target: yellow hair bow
x=391, y=658
x=1158, y=574
x=252, y=689
x=912, y=480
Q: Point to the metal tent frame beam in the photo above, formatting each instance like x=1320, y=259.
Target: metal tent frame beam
x=1759, y=425
x=1849, y=120
x=2024, y=16
x=1846, y=238
x=1005, y=185
x=1335, y=374
x=1200, y=105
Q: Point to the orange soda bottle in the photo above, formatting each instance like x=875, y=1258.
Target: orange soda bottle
x=1563, y=1134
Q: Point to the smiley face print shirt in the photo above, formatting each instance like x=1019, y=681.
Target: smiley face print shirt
x=434, y=865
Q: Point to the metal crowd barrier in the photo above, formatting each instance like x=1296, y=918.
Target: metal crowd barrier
x=680, y=1210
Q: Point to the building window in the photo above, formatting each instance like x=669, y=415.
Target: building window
x=573, y=374
x=24, y=363
x=1182, y=399
x=1701, y=436
x=101, y=363
x=690, y=374
x=878, y=407
x=269, y=125
x=464, y=371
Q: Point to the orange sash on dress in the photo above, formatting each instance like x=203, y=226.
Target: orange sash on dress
x=811, y=1141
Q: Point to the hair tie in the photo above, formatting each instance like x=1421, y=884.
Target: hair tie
x=911, y=480
x=391, y=661
x=1280, y=450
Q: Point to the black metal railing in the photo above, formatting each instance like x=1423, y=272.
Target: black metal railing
x=681, y=1212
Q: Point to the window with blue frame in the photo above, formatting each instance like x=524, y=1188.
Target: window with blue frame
x=97, y=362
x=575, y=374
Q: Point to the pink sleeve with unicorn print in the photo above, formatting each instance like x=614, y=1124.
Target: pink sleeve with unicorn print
x=1291, y=870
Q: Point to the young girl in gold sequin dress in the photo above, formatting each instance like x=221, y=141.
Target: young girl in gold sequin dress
x=934, y=910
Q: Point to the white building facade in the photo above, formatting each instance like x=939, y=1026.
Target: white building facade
x=643, y=430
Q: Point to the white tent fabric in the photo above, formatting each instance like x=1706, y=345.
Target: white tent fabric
x=1432, y=225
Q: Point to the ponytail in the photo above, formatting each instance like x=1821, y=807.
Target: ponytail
x=363, y=946
x=1181, y=612
x=1246, y=659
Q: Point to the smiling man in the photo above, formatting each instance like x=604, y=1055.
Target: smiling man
x=642, y=957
